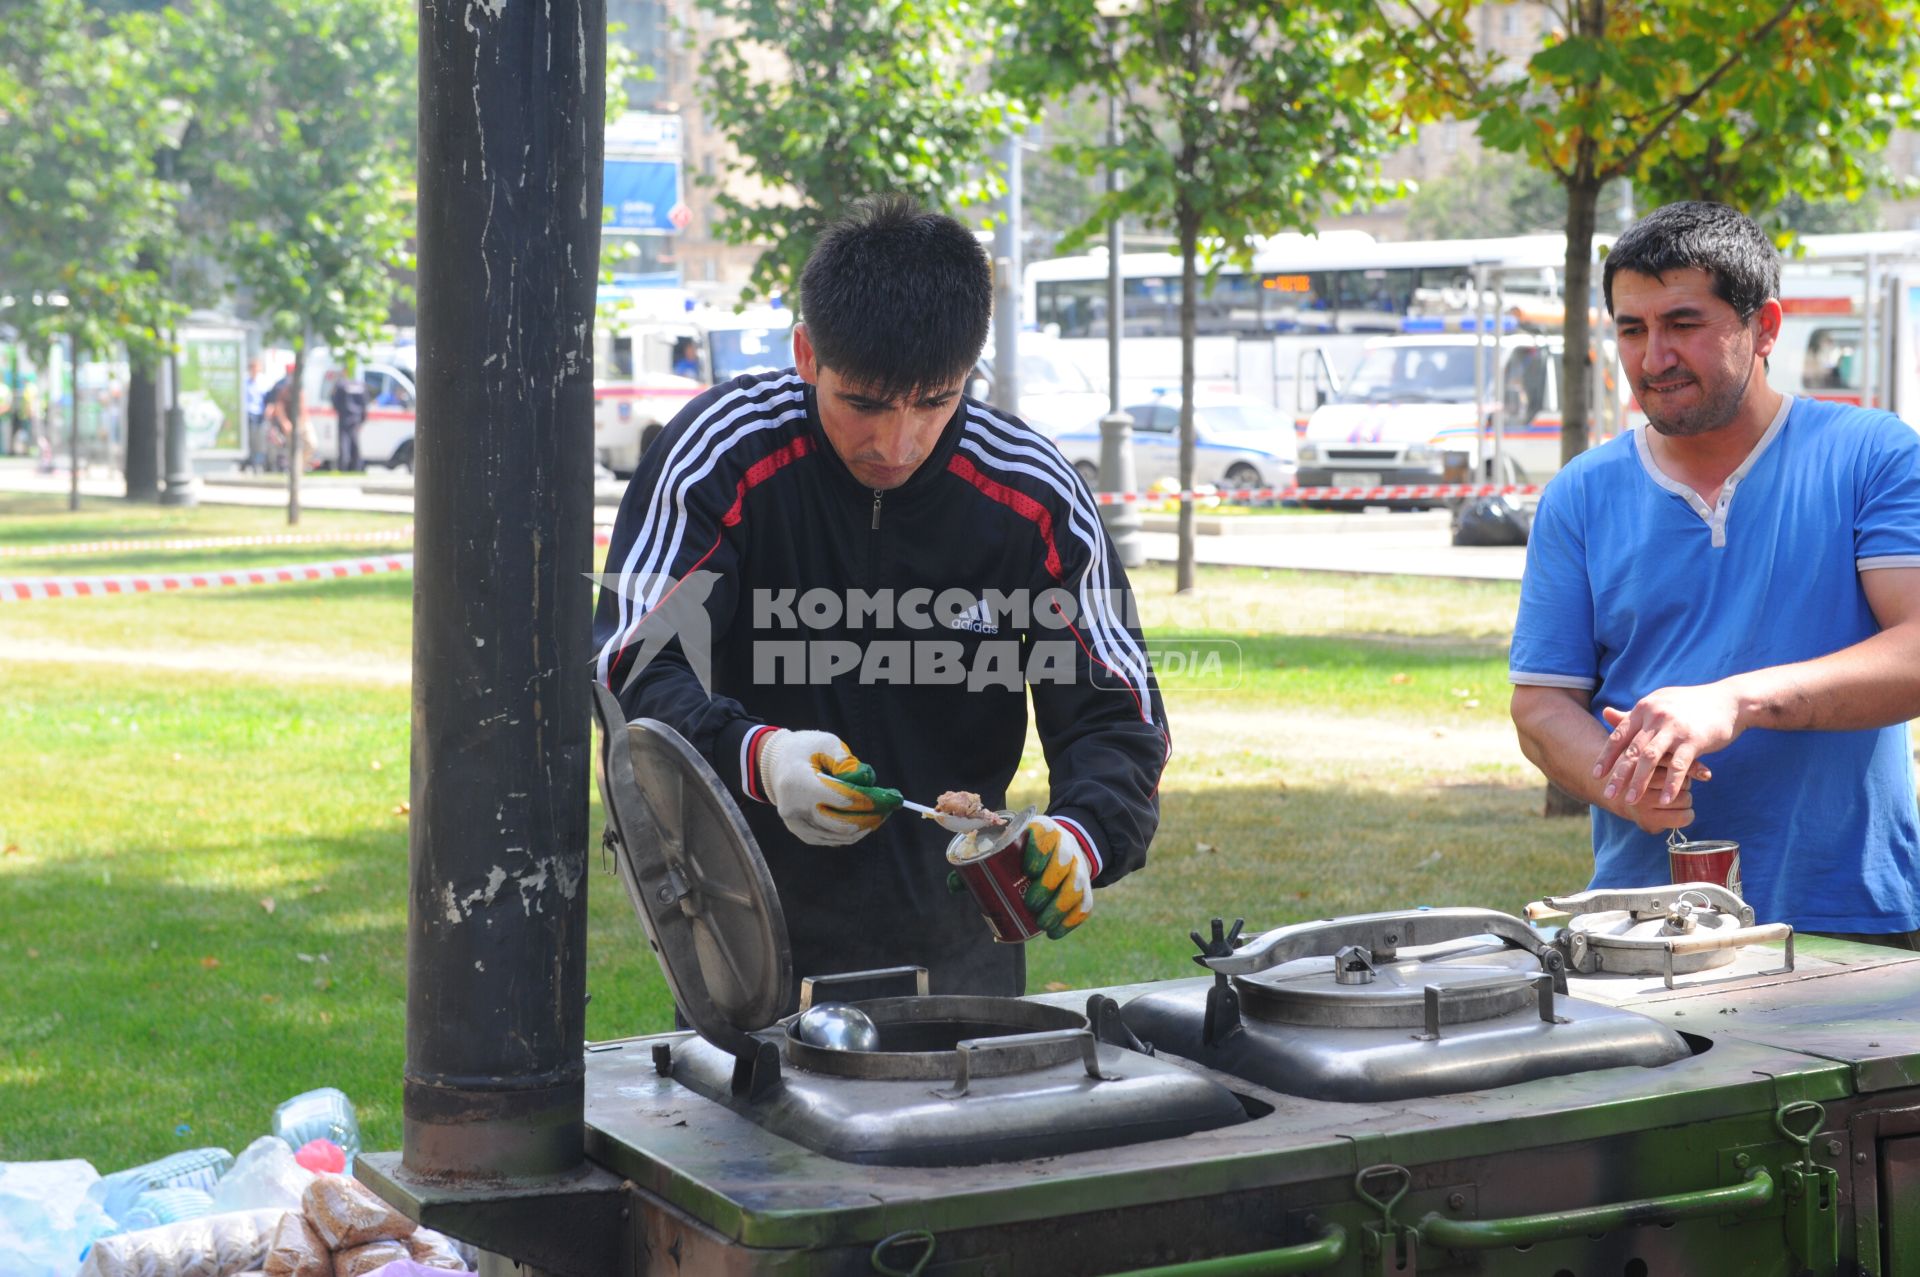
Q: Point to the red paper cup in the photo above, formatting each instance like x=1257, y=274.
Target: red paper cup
x=998, y=881
x=1714, y=862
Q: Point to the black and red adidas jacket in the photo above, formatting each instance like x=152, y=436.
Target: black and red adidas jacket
x=912, y=623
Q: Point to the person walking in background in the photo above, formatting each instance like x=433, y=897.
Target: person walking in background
x=349, y=399
x=1736, y=584
x=280, y=406
x=258, y=386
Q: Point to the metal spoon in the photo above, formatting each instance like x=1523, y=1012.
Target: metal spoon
x=949, y=822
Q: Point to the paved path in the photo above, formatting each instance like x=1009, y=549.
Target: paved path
x=1412, y=544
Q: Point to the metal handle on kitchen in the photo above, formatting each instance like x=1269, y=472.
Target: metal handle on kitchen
x=1321, y=1253
x=1648, y=900
x=1436, y=1229
x=1018, y=1046
x=1380, y=934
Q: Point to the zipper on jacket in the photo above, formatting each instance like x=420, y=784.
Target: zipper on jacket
x=876, y=510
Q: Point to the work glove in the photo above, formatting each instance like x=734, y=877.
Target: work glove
x=825, y=795
x=1060, y=890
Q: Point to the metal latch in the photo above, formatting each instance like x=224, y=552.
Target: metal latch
x=1812, y=1192
x=1395, y=1244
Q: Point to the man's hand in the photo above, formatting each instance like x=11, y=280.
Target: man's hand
x=825, y=795
x=1668, y=730
x=1061, y=890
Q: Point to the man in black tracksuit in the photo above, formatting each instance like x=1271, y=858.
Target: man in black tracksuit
x=851, y=555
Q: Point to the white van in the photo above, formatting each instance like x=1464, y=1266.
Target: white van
x=386, y=437
x=1405, y=415
x=651, y=367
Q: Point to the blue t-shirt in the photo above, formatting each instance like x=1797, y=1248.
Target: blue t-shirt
x=1633, y=584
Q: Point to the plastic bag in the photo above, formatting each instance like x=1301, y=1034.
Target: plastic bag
x=297, y=1249
x=413, y=1268
x=435, y=1251
x=347, y=1213
x=46, y=1217
x=211, y=1246
x=358, y=1261
x=264, y=1175
x=1491, y=521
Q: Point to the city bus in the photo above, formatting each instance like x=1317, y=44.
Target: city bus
x=1287, y=327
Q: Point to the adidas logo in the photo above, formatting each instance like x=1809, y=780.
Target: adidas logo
x=978, y=618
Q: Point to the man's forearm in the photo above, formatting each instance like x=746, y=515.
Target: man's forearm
x=1562, y=739
x=1872, y=684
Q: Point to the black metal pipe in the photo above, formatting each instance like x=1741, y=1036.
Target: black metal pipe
x=511, y=101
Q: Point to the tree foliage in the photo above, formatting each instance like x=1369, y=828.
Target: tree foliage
x=833, y=100
x=306, y=129
x=1238, y=119
x=1495, y=194
x=305, y=149
x=82, y=120
x=1748, y=103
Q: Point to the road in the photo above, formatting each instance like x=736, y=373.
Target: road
x=1376, y=542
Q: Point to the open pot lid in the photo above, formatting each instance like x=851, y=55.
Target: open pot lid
x=695, y=876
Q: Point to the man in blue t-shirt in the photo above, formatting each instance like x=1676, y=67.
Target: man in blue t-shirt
x=1719, y=626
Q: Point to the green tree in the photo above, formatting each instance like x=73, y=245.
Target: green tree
x=1748, y=103
x=1238, y=119
x=305, y=153
x=833, y=100
x=1492, y=195
x=81, y=121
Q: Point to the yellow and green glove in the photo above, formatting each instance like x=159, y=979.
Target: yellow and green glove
x=826, y=796
x=1060, y=877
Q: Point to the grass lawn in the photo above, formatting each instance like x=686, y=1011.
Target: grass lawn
x=203, y=843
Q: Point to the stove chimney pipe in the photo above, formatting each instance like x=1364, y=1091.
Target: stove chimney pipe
x=511, y=102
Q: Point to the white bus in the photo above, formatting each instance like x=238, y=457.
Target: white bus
x=1287, y=328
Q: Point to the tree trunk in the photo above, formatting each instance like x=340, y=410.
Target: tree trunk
x=1189, y=292
x=296, y=428
x=1576, y=380
x=73, y=426
x=143, y=431
x=1560, y=803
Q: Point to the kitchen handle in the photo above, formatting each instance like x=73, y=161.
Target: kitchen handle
x=1321, y=1253
x=1019, y=1044
x=1651, y=901
x=1709, y=941
x=1436, y=1229
x=1380, y=934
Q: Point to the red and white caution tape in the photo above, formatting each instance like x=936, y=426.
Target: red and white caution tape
x=600, y=538
x=399, y=534
x=18, y=589
x=1399, y=492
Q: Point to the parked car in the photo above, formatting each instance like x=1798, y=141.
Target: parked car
x=1238, y=443
x=1055, y=393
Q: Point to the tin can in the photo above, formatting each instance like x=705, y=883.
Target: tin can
x=1716, y=862
x=991, y=863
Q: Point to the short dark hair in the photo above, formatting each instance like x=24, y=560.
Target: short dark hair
x=896, y=299
x=1698, y=235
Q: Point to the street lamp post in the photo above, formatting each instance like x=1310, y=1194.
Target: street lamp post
x=1007, y=318
x=1116, y=428
x=178, y=489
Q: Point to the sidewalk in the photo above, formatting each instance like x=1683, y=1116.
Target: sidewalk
x=1378, y=542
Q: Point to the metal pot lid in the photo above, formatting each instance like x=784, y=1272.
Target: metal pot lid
x=1355, y=993
x=695, y=876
